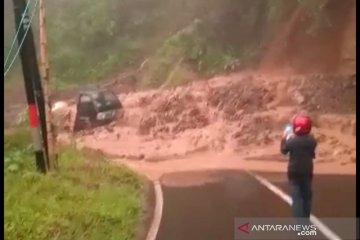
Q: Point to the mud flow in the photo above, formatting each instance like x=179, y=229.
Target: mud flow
x=241, y=115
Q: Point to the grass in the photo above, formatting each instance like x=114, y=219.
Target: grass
x=86, y=199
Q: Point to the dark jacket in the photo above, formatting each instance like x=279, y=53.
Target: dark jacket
x=302, y=152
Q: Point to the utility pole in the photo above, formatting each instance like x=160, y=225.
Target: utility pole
x=31, y=80
x=51, y=138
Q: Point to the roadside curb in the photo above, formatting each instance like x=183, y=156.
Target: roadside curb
x=286, y=198
x=159, y=202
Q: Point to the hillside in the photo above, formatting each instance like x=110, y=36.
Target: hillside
x=136, y=44
x=209, y=36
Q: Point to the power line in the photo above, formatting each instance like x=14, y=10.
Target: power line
x=17, y=33
x=23, y=39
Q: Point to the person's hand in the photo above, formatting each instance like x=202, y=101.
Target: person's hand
x=287, y=133
x=288, y=136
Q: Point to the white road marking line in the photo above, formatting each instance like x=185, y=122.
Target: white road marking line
x=321, y=226
x=159, y=202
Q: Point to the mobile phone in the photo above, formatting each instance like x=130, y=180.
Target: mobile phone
x=288, y=130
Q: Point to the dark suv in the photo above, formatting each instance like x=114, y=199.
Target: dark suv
x=96, y=108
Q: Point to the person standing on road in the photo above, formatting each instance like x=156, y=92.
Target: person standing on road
x=300, y=144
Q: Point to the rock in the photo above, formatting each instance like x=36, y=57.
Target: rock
x=354, y=129
x=237, y=134
x=333, y=142
x=319, y=160
x=109, y=128
x=298, y=97
x=267, y=139
x=118, y=136
x=336, y=152
x=101, y=136
x=136, y=157
x=321, y=138
x=347, y=151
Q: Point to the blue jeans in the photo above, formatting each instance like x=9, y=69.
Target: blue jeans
x=302, y=197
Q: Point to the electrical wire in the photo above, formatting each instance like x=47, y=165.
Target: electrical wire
x=23, y=39
x=17, y=33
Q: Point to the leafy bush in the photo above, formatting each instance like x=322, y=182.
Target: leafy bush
x=88, y=198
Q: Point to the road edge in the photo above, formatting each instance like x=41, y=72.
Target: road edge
x=159, y=202
x=326, y=231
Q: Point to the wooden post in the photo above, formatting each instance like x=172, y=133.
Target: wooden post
x=47, y=92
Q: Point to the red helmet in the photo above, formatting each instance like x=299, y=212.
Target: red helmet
x=301, y=124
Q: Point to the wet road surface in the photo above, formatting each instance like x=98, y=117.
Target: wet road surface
x=204, y=205
x=333, y=197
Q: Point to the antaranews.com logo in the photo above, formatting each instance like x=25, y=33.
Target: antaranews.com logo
x=277, y=228
x=302, y=230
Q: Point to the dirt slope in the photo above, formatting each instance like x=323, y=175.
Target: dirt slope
x=300, y=48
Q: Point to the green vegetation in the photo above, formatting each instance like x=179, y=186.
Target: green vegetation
x=92, y=40
x=170, y=64
x=88, y=198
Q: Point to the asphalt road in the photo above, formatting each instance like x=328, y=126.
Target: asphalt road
x=207, y=210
